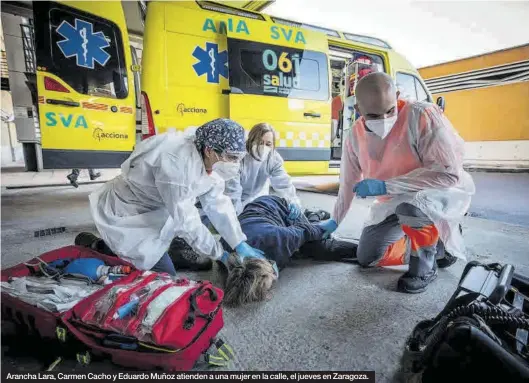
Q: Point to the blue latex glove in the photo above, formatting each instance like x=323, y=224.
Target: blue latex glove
x=244, y=250
x=370, y=187
x=224, y=258
x=295, y=211
x=329, y=226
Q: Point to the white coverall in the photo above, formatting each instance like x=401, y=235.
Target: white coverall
x=253, y=181
x=153, y=201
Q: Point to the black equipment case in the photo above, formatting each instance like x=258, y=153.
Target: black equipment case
x=480, y=336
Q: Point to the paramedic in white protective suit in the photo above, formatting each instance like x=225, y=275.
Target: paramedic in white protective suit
x=140, y=212
x=262, y=164
x=409, y=157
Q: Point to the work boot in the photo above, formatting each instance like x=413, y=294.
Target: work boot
x=73, y=179
x=416, y=284
x=444, y=259
x=184, y=257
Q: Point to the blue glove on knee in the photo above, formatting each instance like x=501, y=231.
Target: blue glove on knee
x=329, y=226
x=295, y=211
x=370, y=187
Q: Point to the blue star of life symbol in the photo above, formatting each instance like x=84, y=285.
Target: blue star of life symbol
x=81, y=41
x=212, y=62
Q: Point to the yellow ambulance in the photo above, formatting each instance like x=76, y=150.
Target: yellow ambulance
x=201, y=60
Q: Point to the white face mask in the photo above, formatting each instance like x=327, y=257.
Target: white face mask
x=226, y=170
x=381, y=127
x=263, y=149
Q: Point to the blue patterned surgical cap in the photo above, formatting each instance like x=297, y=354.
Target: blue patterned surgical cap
x=222, y=135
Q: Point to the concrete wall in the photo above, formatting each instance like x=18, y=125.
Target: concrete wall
x=11, y=149
x=22, y=101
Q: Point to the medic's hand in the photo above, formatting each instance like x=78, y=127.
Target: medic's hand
x=244, y=250
x=329, y=226
x=224, y=258
x=223, y=262
x=294, y=210
x=370, y=187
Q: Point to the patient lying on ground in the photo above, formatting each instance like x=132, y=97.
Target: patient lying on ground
x=266, y=224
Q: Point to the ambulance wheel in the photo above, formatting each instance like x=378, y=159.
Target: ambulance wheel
x=84, y=358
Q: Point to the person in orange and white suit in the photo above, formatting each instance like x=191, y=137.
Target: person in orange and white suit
x=409, y=157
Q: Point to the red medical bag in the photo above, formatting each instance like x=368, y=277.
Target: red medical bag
x=179, y=332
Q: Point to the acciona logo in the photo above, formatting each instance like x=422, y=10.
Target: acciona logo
x=99, y=135
x=182, y=109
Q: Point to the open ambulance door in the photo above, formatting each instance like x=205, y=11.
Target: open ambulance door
x=85, y=84
x=281, y=76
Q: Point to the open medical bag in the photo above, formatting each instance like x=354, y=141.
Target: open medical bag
x=143, y=320
x=481, y=333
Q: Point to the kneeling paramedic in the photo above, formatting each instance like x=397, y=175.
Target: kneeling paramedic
x=408, y=156
x=153, y=200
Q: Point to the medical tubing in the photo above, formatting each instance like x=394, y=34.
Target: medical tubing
x=490, y=314
x=41, y=268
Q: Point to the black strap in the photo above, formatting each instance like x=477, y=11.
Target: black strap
x=194, y=311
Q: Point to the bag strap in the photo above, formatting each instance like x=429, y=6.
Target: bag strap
x=194, y=310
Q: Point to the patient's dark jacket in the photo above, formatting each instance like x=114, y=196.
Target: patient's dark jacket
x=266, y=224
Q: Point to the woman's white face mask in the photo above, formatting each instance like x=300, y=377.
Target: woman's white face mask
x=383, y=126
x=226, y=170
x=261, y=152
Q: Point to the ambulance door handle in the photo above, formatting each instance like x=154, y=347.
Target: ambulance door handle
x=312, y=114
x=62, y=102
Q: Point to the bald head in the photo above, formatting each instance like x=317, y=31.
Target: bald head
x=376, y=96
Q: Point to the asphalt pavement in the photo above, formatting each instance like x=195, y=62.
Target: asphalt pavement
x=501, y=197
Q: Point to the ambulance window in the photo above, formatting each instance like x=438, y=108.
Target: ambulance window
x=411, y=88
x=421, y=93
x=406, y=86
x=83, y=50
x=271, y=70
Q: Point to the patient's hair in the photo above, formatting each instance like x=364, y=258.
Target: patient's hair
x=247, y=281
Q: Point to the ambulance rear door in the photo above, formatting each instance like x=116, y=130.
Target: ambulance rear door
x=85, y=84
x=280, y=75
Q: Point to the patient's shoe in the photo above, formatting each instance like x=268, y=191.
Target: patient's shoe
x=184, y=257
x=315, y=216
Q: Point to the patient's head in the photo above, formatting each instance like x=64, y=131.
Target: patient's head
x=248, y=281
